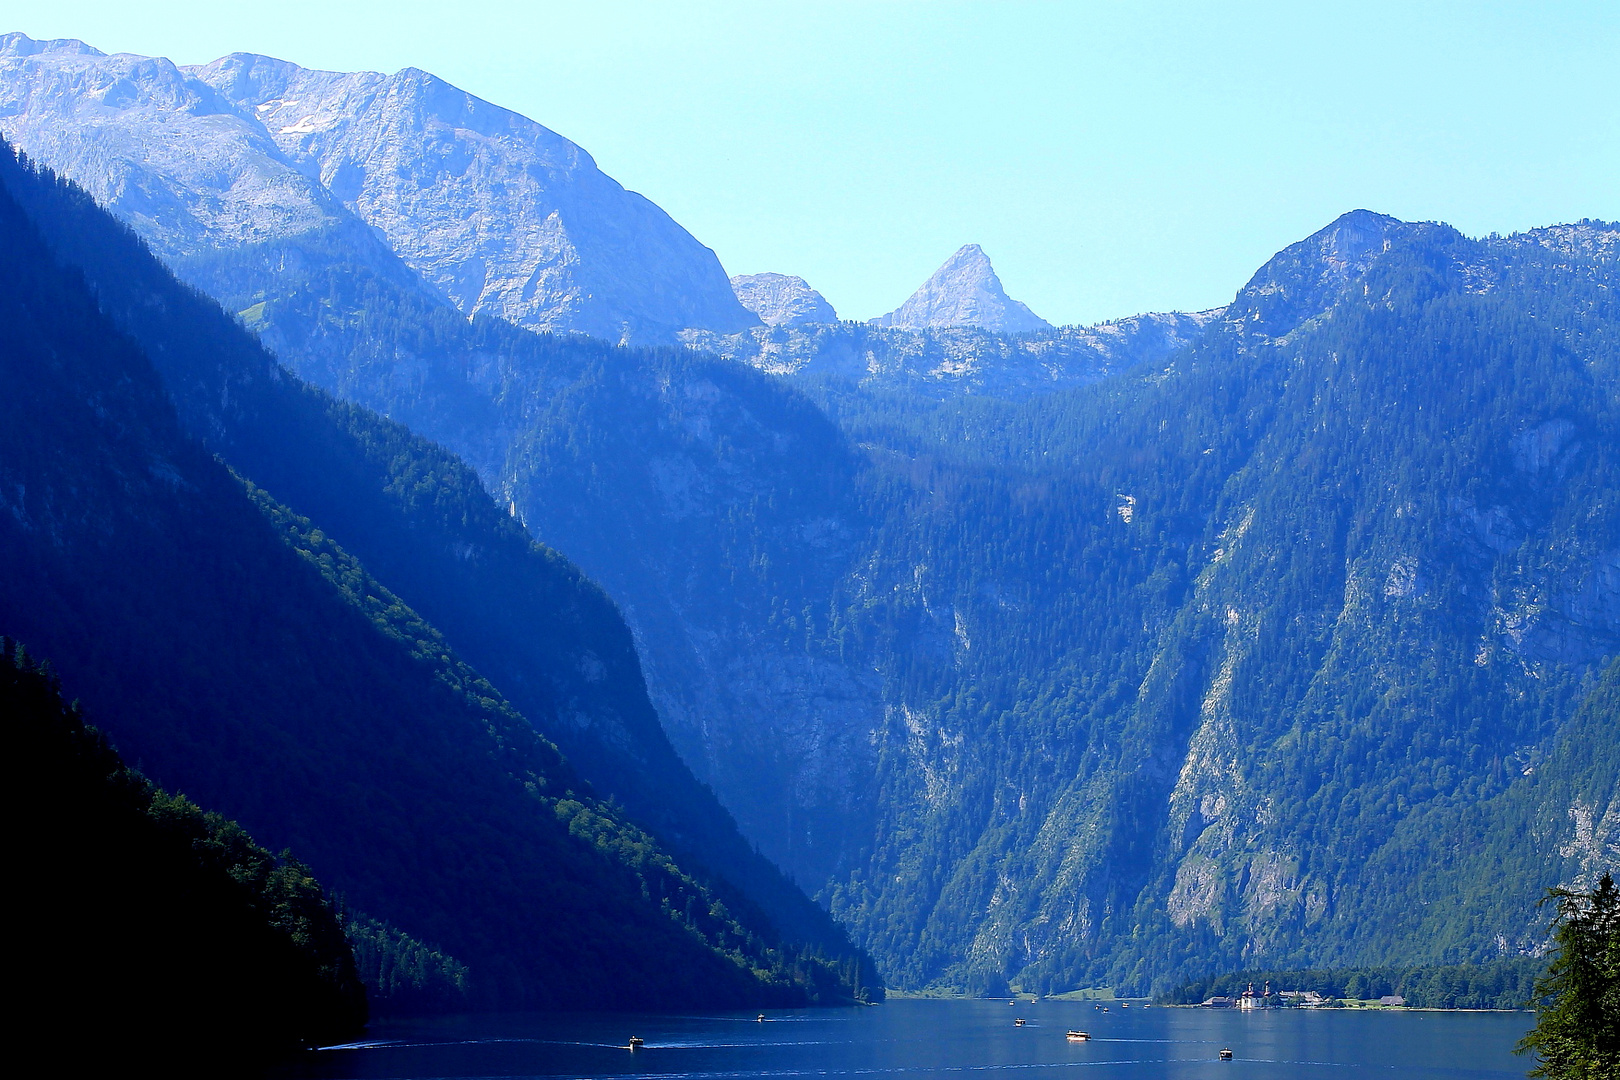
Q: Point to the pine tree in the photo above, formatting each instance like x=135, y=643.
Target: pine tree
x=1577, y=1034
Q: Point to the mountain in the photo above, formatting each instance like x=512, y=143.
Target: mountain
x=1257, y=637
x=419, y=517
x=948, y=362
x=1276, y=636
x=244, y=657
x=990, y=634
x=494, y=211
x=1096, y=686
x=994, y=638
x=782, y=300
x=964, y=292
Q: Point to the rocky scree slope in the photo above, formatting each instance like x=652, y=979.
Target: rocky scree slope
x=493, y=210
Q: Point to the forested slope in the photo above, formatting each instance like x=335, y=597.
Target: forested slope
x=154, y=931
x=1113, y=683
x=1244, y=636
x=1260, y=654
x=714, y=504
x=420, y=520
x=238, y=653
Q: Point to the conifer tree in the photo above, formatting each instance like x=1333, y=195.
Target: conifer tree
x=1577, y=1034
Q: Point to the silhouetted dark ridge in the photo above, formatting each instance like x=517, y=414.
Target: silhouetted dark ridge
x=156, y=933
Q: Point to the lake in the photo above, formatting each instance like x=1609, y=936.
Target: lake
x=917, y=1040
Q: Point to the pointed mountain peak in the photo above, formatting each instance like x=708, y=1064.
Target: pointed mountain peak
x=782, y=299
x=965, y=291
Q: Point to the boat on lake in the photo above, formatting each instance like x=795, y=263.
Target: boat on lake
x=635, y=1042
x=1226, y=1055
x=1078, y=1036
x=1018, y=1022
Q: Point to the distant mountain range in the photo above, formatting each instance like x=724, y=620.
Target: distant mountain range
x=249, y=158
x=1282, y=634
x=495, y=212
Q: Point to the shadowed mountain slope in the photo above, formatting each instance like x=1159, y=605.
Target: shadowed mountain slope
x=242, y=656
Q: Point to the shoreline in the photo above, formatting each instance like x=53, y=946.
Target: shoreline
x=1080, y=996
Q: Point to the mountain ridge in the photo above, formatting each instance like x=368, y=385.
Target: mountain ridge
x=367, y=626
x=445, y=177
x=1065, y=659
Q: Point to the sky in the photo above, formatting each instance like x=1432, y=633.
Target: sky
x=1111, y=158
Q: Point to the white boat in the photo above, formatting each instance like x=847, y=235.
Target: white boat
x=1018, y=1022
x=1078, y=1036
x=635, y=1042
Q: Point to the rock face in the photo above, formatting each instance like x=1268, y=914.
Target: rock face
x=964, y=292
x=1306, y=278
x=499, y=213
x=158, y=148
x=782, y=299
x=942, y=363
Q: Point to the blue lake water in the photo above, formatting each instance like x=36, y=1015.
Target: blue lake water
x=917, y=1040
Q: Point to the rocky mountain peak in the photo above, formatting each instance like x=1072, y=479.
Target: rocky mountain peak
x=1306, y=278
x=782, y=299
x=165, y=152
x=495, y=211
x=965, y=291
x=15, y=44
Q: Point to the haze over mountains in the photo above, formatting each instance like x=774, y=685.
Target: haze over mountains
x=494, y=211
x=1281, y=633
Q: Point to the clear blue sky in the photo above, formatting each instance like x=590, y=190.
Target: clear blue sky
x=1110, y=157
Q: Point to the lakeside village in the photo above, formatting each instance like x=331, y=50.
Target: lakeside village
x=1296, y=999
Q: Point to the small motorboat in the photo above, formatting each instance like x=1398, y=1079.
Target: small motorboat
x=1011, y=1003
x=1018, y=1022
x=635, y=1042
x=1078, y=1036
x=1124, y=1004
x=760, y=1018
x=1226, y=1055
